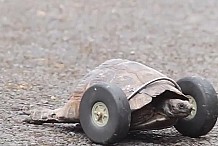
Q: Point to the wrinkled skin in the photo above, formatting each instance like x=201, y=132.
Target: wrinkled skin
x=177, y=108
x=162, y=112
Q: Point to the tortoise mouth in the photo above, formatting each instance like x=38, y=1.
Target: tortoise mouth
x=180, y=114
x=183, y=114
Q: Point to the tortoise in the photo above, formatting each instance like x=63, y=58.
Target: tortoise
x=121, y=95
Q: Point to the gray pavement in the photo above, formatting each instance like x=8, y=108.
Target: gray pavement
x=47, y=46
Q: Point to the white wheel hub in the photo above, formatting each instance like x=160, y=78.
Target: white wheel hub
x=100, y=114
x=194, y=107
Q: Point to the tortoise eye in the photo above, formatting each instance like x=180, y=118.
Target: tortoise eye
x=181, y=106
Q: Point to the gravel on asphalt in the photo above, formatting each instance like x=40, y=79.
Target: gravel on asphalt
x=47, y=46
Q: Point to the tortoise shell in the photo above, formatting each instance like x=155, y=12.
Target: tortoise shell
x=126, y=74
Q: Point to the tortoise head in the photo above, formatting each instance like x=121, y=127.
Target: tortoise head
x=177, y=108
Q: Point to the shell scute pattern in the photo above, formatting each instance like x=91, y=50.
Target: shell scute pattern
x=129, y=76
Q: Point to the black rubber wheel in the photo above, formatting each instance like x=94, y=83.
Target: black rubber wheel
x=117, y=114
x=204, y=117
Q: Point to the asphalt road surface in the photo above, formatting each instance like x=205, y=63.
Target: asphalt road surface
x=47, y=46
